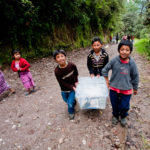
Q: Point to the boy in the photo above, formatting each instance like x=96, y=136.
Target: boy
x=67, y=76
x=124, y=78
x=97, y=58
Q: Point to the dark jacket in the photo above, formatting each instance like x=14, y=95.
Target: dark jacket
x=95, y=67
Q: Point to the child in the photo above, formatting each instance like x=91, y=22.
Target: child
x=4, y=85
x=124, y=78
x=67, y=76
x=21, y=66
x=97, y=58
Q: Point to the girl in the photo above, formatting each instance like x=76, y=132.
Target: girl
x=97, y=58
x=21, y=66
x=124, y=78
x=4, y=85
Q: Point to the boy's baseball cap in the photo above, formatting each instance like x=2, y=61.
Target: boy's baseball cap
x=127, y=43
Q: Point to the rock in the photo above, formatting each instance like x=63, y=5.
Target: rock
x=19, y=125
x=49, y=124
x=34, y=118
x=61, y=140
x=106, y=125
x=20, y=115
x=117, y=144
x=14, y=127
x=49, y=148
x=84, y=142
x=7, y=121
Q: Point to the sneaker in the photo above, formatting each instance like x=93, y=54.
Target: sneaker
x=115, y=121
x=71, y=116
x=34, y=89
x=123, y=122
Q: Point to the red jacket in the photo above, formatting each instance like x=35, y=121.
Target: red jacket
x=23, y=64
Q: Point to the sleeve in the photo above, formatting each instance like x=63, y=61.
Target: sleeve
x=89, y=65
x=62, y=83
x=25, y=65
x=106, y=69
x=134, y=76
x=13, y=67
x=106, y=59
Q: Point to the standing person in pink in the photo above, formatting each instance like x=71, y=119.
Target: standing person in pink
x=21, y=66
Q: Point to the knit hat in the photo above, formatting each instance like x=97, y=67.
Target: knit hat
x=127, y=43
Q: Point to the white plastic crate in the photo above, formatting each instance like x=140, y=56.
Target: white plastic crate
x=91, y=93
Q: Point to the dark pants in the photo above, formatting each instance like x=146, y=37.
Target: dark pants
x=69, y=98
x=120, y=104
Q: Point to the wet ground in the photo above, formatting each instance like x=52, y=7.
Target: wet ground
x=40, y=121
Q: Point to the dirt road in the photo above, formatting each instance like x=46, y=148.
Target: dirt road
x=40, y=121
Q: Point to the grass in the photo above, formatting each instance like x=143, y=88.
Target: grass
x=143, y=47
x=146, y=143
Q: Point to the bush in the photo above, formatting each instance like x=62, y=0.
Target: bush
x=143, y=47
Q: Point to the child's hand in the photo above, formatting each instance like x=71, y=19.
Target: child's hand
x=92, y=75
x=74, y=88
x=135, y=92
x=107, y=81
x=76, y=84
x=98, y=75
x=19, y=69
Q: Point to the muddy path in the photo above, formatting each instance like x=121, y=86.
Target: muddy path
x=40, y=121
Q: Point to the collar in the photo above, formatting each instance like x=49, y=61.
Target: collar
x=63, y=67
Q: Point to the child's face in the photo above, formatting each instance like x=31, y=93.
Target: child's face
x=17, y=56
x=124, y=52
x=96, y=46
x=61, y=59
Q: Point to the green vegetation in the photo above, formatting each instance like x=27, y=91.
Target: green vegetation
x=38, y=27
x=146, y=143
x=136, y=21
x=143, y=47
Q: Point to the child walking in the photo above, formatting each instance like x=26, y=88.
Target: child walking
x=21, y=66
x=4, y=86
x=97, y=58
x=67, y=76
x=123, y=82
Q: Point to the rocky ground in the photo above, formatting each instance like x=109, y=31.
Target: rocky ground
x=40, y=121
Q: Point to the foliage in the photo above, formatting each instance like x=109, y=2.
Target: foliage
x=134, y=17
x=143, y=47
x=147, y=18
x=37, y=27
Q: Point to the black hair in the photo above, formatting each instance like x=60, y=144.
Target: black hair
x=127, y=43
x=96, y=39
x=14, y=51
x=56, y=52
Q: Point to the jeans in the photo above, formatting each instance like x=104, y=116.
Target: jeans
x=120, y=104
x=69, y=98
